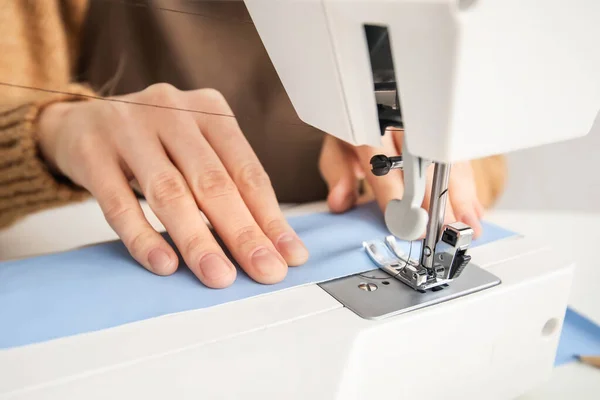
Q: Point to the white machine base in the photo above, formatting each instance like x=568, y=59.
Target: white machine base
x=301, y=343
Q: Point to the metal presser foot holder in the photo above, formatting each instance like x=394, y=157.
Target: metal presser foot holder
x=402, y=284
x=443, y=270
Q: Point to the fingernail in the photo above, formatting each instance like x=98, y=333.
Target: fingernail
x=474, y=223
x=159, y=261
x=266, y=262
x=214, y=268
x=292, y=249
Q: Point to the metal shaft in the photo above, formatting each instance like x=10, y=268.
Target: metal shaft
x=437, y=209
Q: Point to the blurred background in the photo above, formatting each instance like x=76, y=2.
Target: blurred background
x=560, y=176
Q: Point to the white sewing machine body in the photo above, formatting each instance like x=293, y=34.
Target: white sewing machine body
x=301, y=343
x=474, y=77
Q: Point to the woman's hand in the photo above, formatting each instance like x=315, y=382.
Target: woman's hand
x=184, y=162
x=344, y=166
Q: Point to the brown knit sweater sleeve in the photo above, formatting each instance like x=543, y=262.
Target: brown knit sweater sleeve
x=38, y=50
x=26, y=184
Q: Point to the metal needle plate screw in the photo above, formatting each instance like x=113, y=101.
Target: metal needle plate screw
x=368, y=287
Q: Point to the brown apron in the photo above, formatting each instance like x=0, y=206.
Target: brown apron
x=129, y=45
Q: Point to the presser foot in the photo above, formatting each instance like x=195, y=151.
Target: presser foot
x=399, y=266
x=450, y=259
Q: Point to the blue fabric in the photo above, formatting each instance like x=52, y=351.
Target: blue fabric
x=579, y=337
x=101, y=286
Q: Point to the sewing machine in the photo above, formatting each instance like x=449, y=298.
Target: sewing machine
x=464, y=79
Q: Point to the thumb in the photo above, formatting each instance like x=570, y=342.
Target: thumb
x=337, y=164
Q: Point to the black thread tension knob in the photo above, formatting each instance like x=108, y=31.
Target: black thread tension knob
x=382, y=164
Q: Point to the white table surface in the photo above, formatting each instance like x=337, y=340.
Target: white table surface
x=82, y=224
